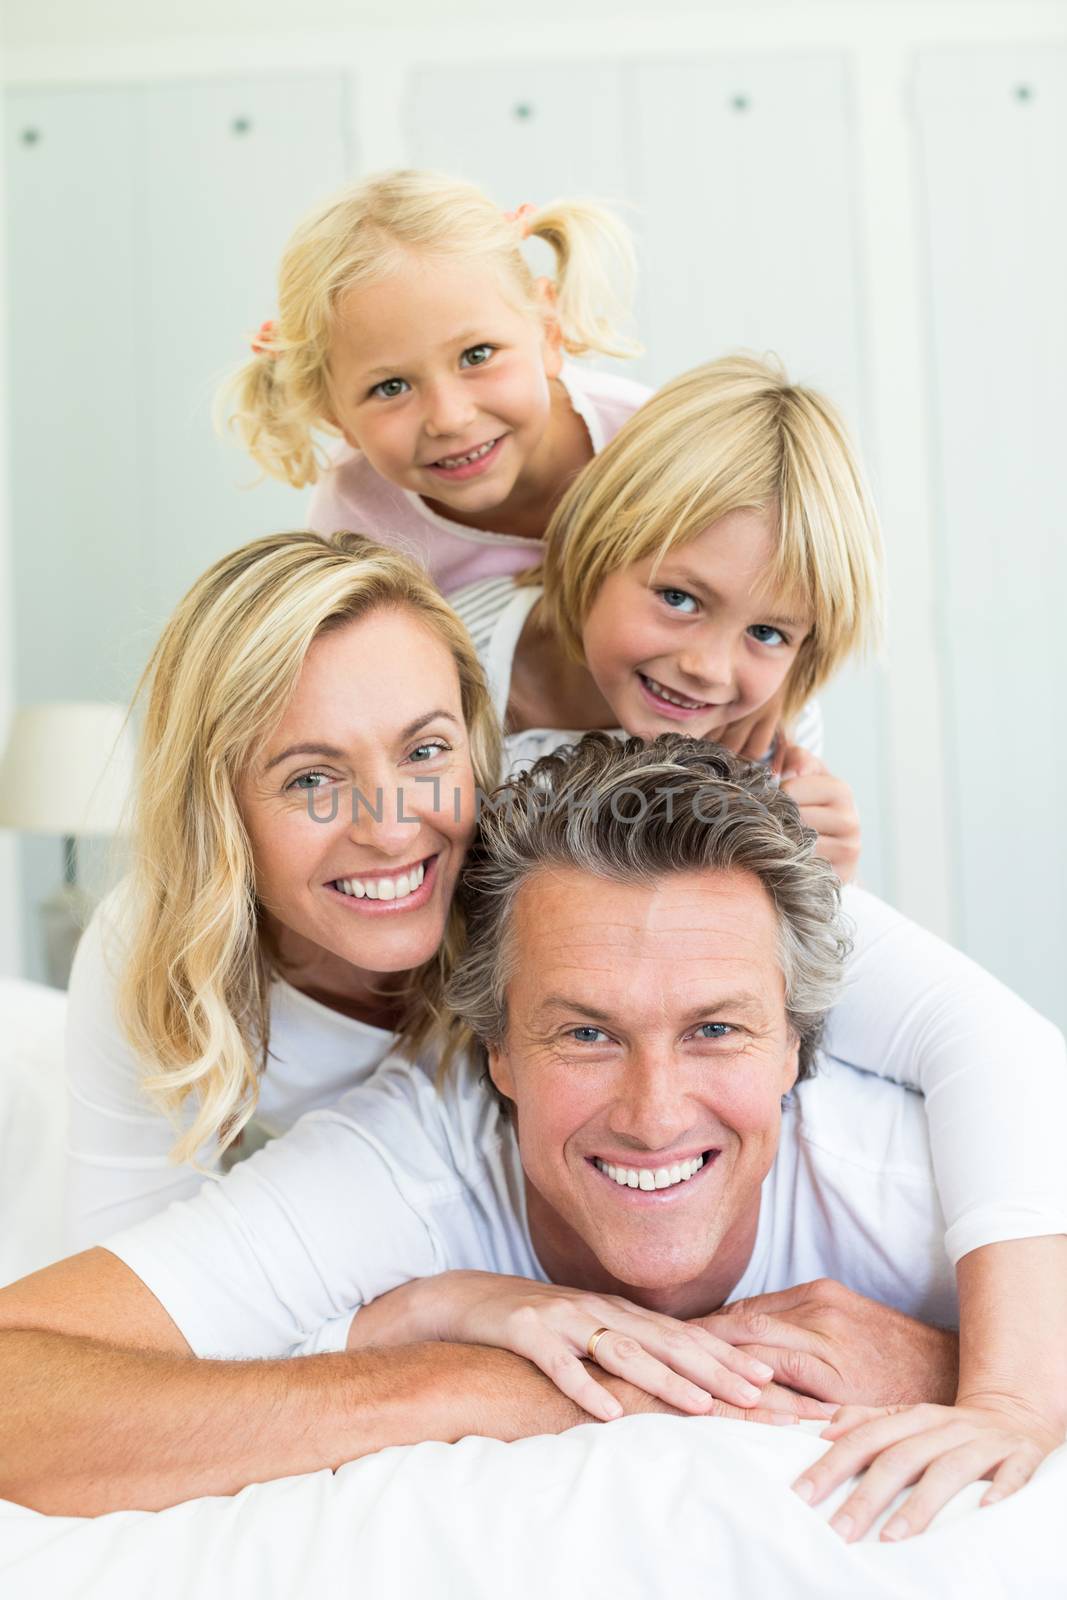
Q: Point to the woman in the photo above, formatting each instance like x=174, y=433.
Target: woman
x=271, y=945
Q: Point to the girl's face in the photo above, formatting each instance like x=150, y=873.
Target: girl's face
x=360, y=806
x=698, y=641
x=443, y=382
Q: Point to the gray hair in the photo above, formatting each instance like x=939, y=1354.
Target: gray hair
x=633, y=811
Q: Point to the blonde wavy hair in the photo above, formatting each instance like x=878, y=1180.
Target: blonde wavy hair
x=730, y=435
x=194, y=993
x=281, y=397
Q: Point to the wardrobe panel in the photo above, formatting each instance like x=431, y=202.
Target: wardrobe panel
x=993, y=154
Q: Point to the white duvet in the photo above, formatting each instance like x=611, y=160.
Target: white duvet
x=646, y=1507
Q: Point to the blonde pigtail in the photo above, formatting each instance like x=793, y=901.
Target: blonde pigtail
x=595, y=272
x=258, y=403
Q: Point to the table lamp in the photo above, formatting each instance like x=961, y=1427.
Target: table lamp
x=67, y=770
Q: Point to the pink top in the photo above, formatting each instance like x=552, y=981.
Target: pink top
x=352, y=497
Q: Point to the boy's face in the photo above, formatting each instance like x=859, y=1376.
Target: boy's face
x=699, y=640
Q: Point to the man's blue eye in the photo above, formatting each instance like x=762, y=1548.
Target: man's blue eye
x=766, y=634
x=477, y=355
x=715, y=1030
x=389, y=388
x=577, y=1033
x=678, y=600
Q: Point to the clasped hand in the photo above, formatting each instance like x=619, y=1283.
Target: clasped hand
x=650, y=1360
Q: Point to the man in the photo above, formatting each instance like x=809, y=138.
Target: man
x=652, y=950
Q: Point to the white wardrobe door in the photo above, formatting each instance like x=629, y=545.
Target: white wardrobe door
x=145, y=226
x=525, y=133
x=76, y=287
x=231, y=167
x=993, y=138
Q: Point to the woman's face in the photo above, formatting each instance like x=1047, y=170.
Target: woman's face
x=698, y=640
x=360, y=805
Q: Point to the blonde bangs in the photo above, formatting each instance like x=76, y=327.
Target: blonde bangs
x=731, y=435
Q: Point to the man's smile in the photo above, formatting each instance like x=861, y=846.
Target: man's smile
x=645, y=1179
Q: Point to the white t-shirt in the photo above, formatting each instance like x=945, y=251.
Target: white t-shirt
x=992, y=1071
x=400, y=1181
x=354, y=497
x=494, y=613
x=118, y=1143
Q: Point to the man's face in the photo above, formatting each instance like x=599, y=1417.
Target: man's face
x=647, y=1033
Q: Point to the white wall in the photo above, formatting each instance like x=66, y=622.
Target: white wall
x=9, y=919
x=888, y=384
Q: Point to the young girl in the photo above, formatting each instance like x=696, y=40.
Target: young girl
x=722, y=552
x=410, y=324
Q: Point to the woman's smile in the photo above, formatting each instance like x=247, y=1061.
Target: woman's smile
x=377, y=894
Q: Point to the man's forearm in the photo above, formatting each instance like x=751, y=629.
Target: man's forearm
x=88, y=1427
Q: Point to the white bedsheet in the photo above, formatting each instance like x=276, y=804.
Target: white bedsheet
x=647, y=1507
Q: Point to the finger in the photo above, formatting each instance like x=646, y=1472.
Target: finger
x=892, y=1471
x=953, y=1471
x=776, y=1416
x=798, y=763
x=846, y=1418
x=858, y=1448
x=759, y=741
x=830, y=820
x=626, y=1358
x=725, y=1371
x=756, y=1326
x=1011, y=1475
x=801, y=1406
x=805, y=1372
x=573, y=1379
x=798, y=1294
x=819, y=789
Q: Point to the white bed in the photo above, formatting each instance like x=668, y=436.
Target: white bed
x=648, y=1507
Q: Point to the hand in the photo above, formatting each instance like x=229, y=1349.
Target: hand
x=778, y=1405
x=939, y=1449
x=833, y=1344
x=678, y=1363
x=825, y=804
x=752, y=736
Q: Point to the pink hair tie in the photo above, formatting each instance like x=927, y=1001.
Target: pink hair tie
x=522, y=215
x=263, y=343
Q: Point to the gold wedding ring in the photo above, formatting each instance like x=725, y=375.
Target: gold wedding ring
x=594, y=1340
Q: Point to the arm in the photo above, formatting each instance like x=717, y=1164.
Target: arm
x=1008, y=1415
x=995, y=1085
x=118, y=1167
x=91, y=1423
x=825, y=1340
x=825, y=804
x=685, y=1365
x=993, y=1073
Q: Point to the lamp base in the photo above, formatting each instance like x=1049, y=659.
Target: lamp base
x=64, y=916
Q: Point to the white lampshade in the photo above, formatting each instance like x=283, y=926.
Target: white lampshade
x=67, y=769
